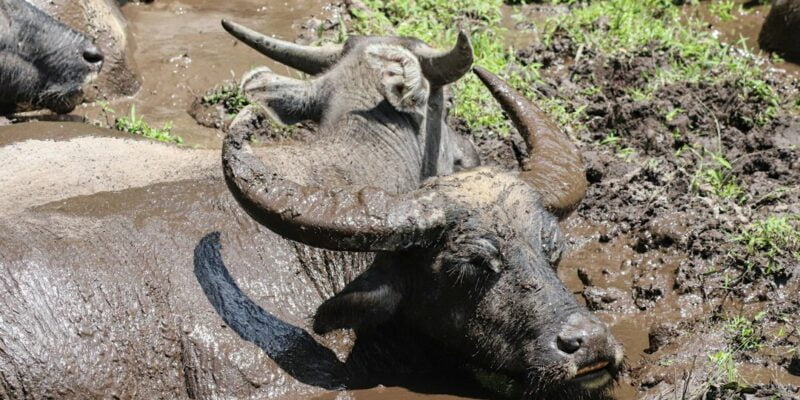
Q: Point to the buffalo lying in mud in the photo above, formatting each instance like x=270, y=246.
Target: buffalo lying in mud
x=42, y=62
x=171, y=290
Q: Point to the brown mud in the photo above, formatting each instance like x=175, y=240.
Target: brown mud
x=742, y=29
x=653, y=253
x=183, y=51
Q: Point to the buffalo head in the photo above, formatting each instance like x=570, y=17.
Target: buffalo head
x=467, y=259
x=398, y=84
x=42, y=62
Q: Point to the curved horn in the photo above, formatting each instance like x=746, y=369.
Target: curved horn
x=442, y=68
x=345, y=218
x=555, y=167
x=309, y=59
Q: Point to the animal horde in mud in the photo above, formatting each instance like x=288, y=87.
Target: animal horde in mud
x=131, y=302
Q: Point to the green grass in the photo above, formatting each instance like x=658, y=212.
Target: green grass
x=716, y=177
x=723, y=9
x=745, y=334
x=725, y=366
x=695, y=55
x=769, y=241
x=229, y=96
x=136, y=125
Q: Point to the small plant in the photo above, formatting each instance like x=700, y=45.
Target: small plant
x=723, y=9
x=723, y=360
x=745, y=335
x=610, y=140
x=672, y=114
x=138, y=126
x=718, y=178
x=230, y=97
x=769, y=241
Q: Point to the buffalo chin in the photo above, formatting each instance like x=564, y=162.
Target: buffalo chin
x=65, y=103
x=593, y=385
x=594, y=380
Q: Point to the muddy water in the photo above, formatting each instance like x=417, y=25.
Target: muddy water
x=742, y=29
x=182, y=51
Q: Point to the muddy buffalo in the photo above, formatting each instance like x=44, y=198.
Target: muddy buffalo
x=169, y=289
x=42, y=62
x=103, y=21
x=781, y=29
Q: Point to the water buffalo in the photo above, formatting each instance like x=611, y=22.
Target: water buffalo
x=103, y=21
x=781, y=29
x=171, y=290
x=42, y=62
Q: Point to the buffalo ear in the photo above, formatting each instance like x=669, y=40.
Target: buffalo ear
x=402, y=83
x=287, y=100
x=368, y=301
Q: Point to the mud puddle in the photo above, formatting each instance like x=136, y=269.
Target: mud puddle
x=182, y=51
x=741, y=28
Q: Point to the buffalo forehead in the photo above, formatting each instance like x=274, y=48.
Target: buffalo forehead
x=489, y=188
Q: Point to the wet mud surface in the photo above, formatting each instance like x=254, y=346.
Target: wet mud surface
x=653, y=253
x=183, y=52
x=647, y=253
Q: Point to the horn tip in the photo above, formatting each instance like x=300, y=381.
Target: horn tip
x=228, y=25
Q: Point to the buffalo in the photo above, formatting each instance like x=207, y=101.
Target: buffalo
x=407, y=261
x=781, y=29
x=103, y=21
x=43, y=63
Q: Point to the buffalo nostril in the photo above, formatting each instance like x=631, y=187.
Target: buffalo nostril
x=92, y=54
x=569, y=342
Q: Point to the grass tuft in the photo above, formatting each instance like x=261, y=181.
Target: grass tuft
x=136, y=125
x=229, y=96
x=769, y=241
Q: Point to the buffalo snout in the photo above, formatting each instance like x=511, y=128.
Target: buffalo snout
x=594, y=354
x=93, y=57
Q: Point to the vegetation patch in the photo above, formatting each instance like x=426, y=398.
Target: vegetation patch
x=136, y=125
x=770, y=244
x=229, y=96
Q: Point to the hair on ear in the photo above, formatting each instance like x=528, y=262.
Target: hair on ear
x=402, y=82
x=368, y=301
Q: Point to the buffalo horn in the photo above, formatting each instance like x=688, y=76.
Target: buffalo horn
x=445, y=67
x=309, y=59
x=343, y=218
x=554, y=168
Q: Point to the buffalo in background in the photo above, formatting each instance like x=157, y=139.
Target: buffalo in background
x=43, y=63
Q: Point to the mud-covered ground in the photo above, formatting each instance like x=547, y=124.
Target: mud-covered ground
x=679, y=182
x=683, y=277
